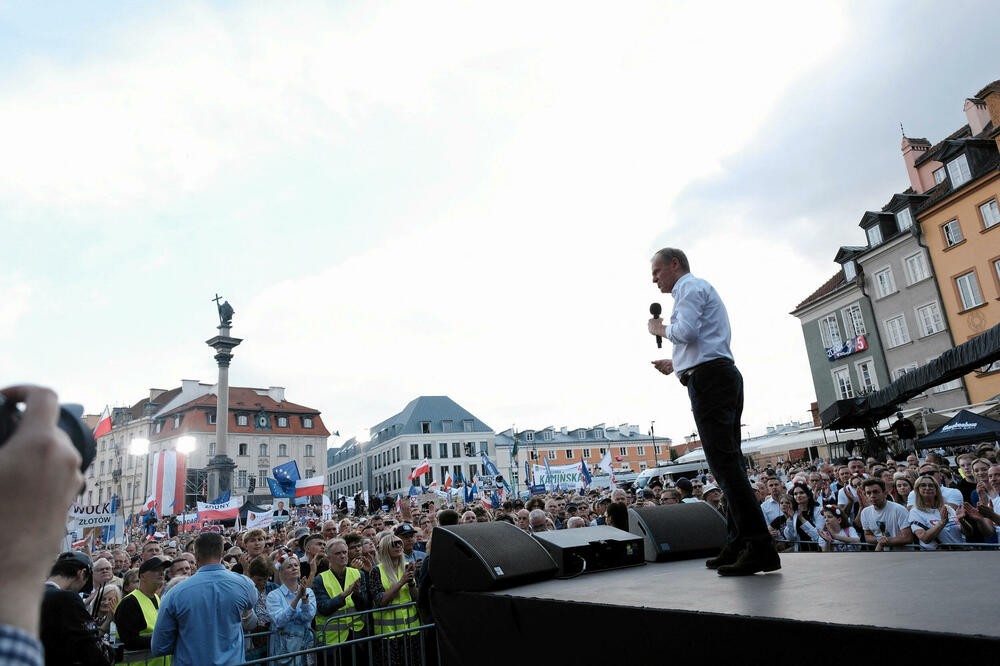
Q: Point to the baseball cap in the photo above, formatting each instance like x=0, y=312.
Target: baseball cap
x=301, y=532
x=405, y=530
x=709, y=487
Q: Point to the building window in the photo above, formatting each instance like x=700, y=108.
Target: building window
x=443, y=449
x=569, y=453
x=968, y=290
x=916, y=268
x=241, y=419
x=241, y=478
x=211, y=450
x=854, y=321
x=428, y=452
x=263, y=449
x=262, y=478
x=958, y=171
x=282, y=450
x=102, y=468
x=830, y=331
x=414, y=451
x=658, y=450
x=939, y=175
x=211, y=418
x=446, y=426
x=529, y=436
x=552, y=454
x=884, y=283
x=598, y=433
x=952, y=233
x=850, y=272
x=874, y=235
x=484, y=448
x=904, y=220
x=547, y=435
x=467, y=425
x=131, y=458
x=177, y=421
x=996, y=268
x=622, y=451
x=309, y=450
x=533, y=455
x=282, y=421
x=842, y=383
x=243, y=448
x=866, y=375
x=603, y=451
x=586, y=453
x=159, y=427
x=456, y=450
x=896, y=332
x=425, y=427
x=929, y=317
x=990, y=213
x=640, y=450
x=581, y=434
x=307, y=422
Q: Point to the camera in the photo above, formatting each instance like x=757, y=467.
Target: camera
x=69, y=422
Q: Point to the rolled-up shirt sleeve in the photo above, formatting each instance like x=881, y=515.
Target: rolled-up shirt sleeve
x=683, y=327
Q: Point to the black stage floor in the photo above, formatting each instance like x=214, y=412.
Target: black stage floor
x=819, y=608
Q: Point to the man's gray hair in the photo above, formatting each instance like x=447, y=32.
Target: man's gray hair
x=668, y=254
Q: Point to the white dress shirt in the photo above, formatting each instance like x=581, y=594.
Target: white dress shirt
x=699, y=324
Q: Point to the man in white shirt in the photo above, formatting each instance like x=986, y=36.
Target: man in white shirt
x=771, y=506
x=700, y=333
x=886, y=524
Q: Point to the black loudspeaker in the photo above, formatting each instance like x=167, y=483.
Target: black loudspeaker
x=678, y=531
x=486, y=556
x=589, y=549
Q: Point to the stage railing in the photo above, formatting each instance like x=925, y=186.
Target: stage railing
x=864, y=546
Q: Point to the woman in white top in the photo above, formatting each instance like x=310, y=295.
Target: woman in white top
x=803, y=527
x=931, y=520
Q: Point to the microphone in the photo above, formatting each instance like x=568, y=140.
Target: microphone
x=655, y=310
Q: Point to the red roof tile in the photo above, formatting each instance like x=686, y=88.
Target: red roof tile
x=827, y=287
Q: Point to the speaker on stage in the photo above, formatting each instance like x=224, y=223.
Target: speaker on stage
x=678, y=531
x=486, y=556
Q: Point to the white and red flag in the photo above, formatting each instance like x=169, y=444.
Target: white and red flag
x=310, y=486
x=104, y=424
x=169, y=478
x=220, y=510
x=423, y=468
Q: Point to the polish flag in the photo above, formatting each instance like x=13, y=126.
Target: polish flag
x=169, y=478
x=448, y=481
x=423, y=468
x=150, y=502
x=104, y=425
x=307, y=487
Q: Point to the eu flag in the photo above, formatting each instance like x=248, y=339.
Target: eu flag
x=279, y=490
x=287, y=473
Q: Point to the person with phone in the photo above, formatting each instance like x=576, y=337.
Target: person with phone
x=393, y=588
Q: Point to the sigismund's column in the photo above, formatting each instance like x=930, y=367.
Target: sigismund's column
x=220, y=467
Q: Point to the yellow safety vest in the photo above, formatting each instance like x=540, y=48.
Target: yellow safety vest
x=394, y=618
x=339, y=623
x=149, y=612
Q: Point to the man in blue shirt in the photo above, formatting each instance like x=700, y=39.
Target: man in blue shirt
x=201, y=621
x=699, y=330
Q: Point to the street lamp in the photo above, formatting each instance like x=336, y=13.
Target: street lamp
x=185, y=444
x=140, y=447
x=652, y=434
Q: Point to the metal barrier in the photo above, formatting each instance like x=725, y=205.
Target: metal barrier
x=870, y=547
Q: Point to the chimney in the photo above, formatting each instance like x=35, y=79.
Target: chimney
x=990, y=95
x=155, y=393
x=276, y=393
x=912, y=150
x=977, y=115
x=814, y=410
x=189, y=385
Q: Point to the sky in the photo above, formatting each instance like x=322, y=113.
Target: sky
x=403, y=199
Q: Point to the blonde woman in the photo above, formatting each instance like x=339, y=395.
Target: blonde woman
x=392, y=585
x=932, y=521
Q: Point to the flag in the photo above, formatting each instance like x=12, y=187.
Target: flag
x=527, y=473
x=448, y=482
x=278, y=490
x=104, y=424
x=286, y=475
x=423, y=468
x=327, y=508
x=150, y=501
x=261, y=520
x=470, y=492
x=605, y=465
x=585, y=472
x=488, y=501
x=169, y=478
x=224, y=511
x=221, y=499
x=491, y=469
x=517, y=445
x=548, y=472
x=414, y=490
x=496, y=500
x=310, y=486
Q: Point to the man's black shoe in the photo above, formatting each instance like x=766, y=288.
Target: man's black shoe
x=730, y=553
x=754, y=558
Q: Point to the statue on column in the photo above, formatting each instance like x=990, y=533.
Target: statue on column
x=226, y=311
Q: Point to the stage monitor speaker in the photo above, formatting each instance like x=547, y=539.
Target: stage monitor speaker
x=486, y=556
x=589, y=549
x=678, y=531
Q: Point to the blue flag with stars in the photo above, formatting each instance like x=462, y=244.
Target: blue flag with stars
x=278, y=490
x=287, y=475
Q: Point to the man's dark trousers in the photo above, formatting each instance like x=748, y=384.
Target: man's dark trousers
x=716, y=393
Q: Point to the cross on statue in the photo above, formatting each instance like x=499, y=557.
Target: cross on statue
x=226, y=311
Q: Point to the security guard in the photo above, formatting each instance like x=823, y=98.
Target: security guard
x=135, y=616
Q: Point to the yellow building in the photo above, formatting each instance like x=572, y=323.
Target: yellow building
x=960, y=224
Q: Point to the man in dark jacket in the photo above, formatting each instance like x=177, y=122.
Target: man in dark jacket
x=67, y=629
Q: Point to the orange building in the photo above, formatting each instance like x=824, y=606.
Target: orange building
x=960, y=224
